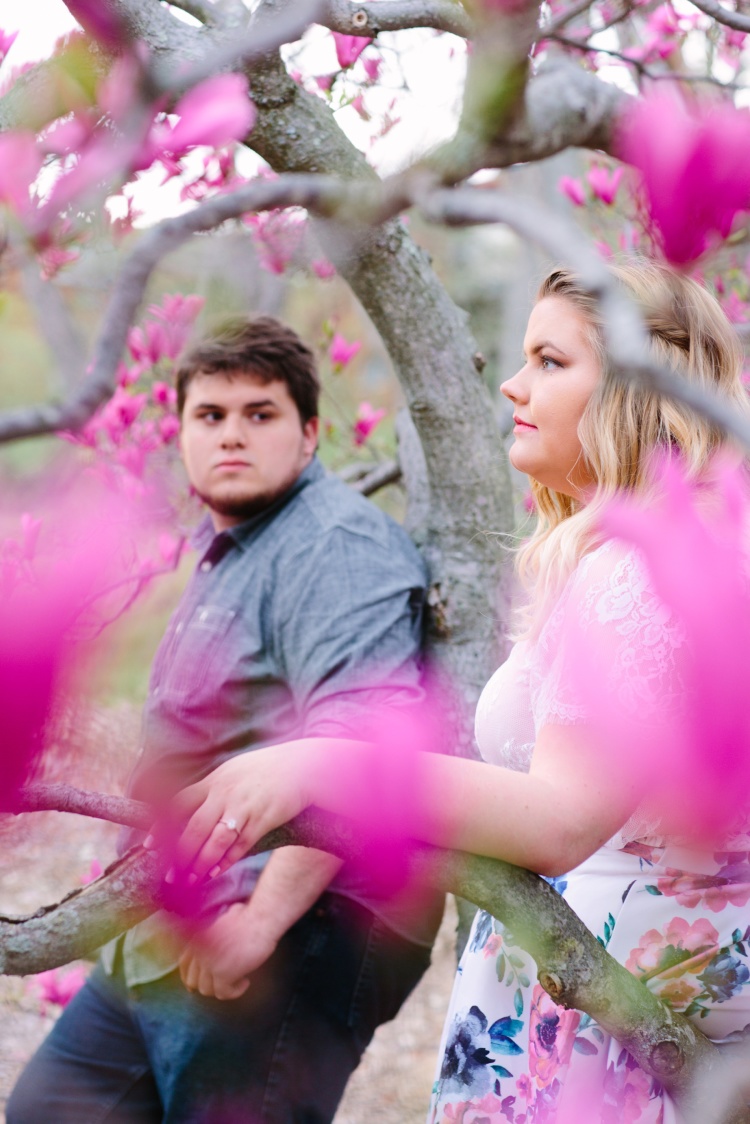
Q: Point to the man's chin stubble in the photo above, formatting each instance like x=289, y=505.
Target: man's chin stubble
x=239, y=507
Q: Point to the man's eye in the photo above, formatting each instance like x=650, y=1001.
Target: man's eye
x=260, y=415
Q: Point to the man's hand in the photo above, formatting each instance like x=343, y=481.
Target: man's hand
x=220, y=959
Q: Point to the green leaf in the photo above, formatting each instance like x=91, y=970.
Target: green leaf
x=501, y=1071
x=500, y=967
x=653, y=890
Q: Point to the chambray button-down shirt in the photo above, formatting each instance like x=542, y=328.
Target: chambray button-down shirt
x=300, y=622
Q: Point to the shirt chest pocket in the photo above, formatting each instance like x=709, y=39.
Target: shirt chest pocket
x=195, y=657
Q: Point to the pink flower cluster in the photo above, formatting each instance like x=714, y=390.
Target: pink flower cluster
x=133, y=424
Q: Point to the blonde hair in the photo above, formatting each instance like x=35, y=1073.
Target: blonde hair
x=624, y=424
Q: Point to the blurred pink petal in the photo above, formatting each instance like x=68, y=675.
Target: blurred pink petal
x=349, y=48
x=340, y=352
x=372, y=67
x=58, y=986
x=215, y=112
x=94, y=872
x=365, y=422
x=7, y=39
x=695, y=164
x=20, y=164
x=604, y=182
x=573, y=188
x=323, y=269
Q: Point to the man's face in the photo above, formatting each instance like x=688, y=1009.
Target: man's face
x=243, y=443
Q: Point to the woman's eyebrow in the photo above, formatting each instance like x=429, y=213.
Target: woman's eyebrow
x=545, y=345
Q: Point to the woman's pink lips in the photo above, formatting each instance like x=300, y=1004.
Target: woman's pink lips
x=522, y=426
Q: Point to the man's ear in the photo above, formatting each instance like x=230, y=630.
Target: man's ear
x=310, y=433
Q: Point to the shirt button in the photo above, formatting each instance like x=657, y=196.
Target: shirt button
x=205, y=567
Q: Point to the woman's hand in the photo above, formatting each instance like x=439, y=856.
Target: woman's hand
x=230, y=809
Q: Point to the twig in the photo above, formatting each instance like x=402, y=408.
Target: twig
x=387, y=473
x=723, y=15
x=369, y=19
x=553, y=26
x=640, y=66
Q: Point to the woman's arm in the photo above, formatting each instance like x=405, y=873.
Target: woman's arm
x=547, y=820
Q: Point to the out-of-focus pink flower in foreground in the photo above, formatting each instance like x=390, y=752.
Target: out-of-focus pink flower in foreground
x=57, y=986
x=20, y=164
x=349, y=48
x=695, y=747
x=365, y=422
x=94, y=872
x=573, y=188
x=695, y=165
x=340, y=352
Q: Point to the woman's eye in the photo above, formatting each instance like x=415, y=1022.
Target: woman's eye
x=548, y=363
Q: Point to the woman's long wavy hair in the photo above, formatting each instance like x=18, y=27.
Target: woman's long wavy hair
x=624, y=425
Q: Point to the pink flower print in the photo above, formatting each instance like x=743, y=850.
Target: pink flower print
x=552, y=1031
x=627, y=1090
x=679, y=948
x=493, y=946
x=365, y=422
x=731, y=885
x=573, y=188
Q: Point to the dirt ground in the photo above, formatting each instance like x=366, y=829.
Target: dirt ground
x=45, y=855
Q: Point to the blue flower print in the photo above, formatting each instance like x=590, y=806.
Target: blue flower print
x=467, y=1061
x=724, y=976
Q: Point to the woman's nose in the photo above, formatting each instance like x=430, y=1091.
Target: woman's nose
x=515, y=387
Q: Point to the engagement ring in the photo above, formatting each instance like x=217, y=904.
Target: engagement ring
x=231, y=824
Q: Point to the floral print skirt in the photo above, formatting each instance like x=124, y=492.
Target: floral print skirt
x=676, y=919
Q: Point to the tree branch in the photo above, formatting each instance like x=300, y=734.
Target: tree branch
x=723, y=15
x=66, y=798
x=202, y=10
x=387, y=473
x=369, y=19
x=574, y=969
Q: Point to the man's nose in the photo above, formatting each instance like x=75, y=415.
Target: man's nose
x=232, y=431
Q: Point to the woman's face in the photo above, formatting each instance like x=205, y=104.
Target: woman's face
x=549, y=395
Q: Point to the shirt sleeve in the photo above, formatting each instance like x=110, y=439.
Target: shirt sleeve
x=348, y=626
x=611, y=651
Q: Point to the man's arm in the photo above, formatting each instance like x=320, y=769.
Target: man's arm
x=221, y=958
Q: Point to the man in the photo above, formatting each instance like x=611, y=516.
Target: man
x=303, y=617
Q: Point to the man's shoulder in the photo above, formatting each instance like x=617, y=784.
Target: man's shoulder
x=327, y=511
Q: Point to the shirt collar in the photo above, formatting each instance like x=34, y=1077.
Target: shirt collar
x=204, y=535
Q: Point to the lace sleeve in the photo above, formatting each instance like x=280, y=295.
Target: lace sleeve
x=609, y=643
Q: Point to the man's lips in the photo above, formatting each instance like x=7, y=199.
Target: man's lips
x=232, y=464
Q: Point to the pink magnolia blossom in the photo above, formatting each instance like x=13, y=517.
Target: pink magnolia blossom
x=695, y=165
x=55, y=258
x=573, y=188
x=349, y=48
x=215, y=112
x=735, y=308
x=169, y=428
x=372, y=65
x=324, y=82
x=7, y=39
x=358, y=104
x=323, y=269
x=277, y=236
x=365, y=422
x=58, y=986
x=102, y=21
x=163, y=394
x=604, y=182
x=340, y=352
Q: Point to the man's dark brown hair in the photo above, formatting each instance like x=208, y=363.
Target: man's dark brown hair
x=263, y=347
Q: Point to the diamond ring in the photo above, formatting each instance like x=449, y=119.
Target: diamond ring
x=231, y=824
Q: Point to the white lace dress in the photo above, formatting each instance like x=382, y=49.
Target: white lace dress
x=678, y=920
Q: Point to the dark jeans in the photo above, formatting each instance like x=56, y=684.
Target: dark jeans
x=281, y=1054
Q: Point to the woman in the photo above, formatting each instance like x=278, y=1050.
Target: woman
x=554, y=802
